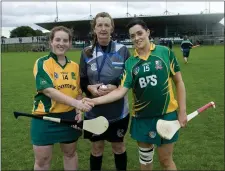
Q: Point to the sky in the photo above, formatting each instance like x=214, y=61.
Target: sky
x=15, y=14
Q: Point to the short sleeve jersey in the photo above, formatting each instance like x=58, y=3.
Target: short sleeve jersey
x=49, y=73
x=150, y=79
x=186, y=44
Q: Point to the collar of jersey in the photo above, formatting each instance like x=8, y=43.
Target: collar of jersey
x=152, y=47
x=111, y=45
x=54, y=56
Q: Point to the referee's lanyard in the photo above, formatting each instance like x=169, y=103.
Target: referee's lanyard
x=99, y=68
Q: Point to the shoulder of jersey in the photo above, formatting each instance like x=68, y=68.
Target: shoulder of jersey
x=42, y=58
x=130, y=59
x=88, y=47
x=161, y=47
x=119, y=45
x=74, y=63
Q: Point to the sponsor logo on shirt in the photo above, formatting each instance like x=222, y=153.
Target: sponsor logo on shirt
x=43, y=82
x=62, y=86
x=73, y=75
x=158, y=65
x=136, y=70
x=56, y=76
x=94, y=67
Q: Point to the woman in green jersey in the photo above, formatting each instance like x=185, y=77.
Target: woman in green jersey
x=150, y=72
x=58, y=95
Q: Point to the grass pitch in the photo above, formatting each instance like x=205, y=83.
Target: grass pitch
x=200, y=146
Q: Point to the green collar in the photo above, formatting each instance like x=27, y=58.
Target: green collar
x=54, y=56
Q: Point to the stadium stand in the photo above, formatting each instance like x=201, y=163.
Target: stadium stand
x=201, y=28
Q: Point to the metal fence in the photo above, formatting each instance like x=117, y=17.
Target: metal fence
x=37, y=45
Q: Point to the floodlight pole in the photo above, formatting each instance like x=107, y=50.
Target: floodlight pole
x=206, y=10
x=127, y=10
x=166, y=12
x=56, y=19
x=90, y=16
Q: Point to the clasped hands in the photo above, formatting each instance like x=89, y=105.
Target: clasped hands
x=96, y=90
x=86, y=104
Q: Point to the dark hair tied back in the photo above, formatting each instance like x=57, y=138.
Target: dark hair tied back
x=137, y=21
x=88, y=51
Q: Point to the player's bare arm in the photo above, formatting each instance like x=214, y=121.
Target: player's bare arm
x=110, y=97
x=181, y=98
x=64, y=99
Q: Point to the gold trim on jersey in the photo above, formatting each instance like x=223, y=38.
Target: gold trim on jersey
x=173, y=105
x=123, y=78
x=165, y=88
x=136, y=105
x=166, y=92
x=166, y=81
x=41, y=107
x=168, y=78
x=35, y=69
x=138, y=109
x=151, y=48
x=172, y=67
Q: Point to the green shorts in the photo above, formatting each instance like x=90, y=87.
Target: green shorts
x=48, y=133
x=144, y=129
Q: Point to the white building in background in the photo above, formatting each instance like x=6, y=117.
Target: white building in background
x=23, y=40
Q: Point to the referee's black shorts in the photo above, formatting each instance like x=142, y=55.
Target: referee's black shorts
x=115, y=132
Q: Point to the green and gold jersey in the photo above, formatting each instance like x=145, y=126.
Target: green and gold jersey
x=49, y=73
x=150, y=79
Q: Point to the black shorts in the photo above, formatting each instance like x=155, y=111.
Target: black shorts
x=115, y=132
x=186, y=53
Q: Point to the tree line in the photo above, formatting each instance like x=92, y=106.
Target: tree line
x=26, y=31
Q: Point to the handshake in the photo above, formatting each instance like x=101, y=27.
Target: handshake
x=97, y=90
x=85, y=105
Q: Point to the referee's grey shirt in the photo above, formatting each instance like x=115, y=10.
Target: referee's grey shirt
x=112, y=68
